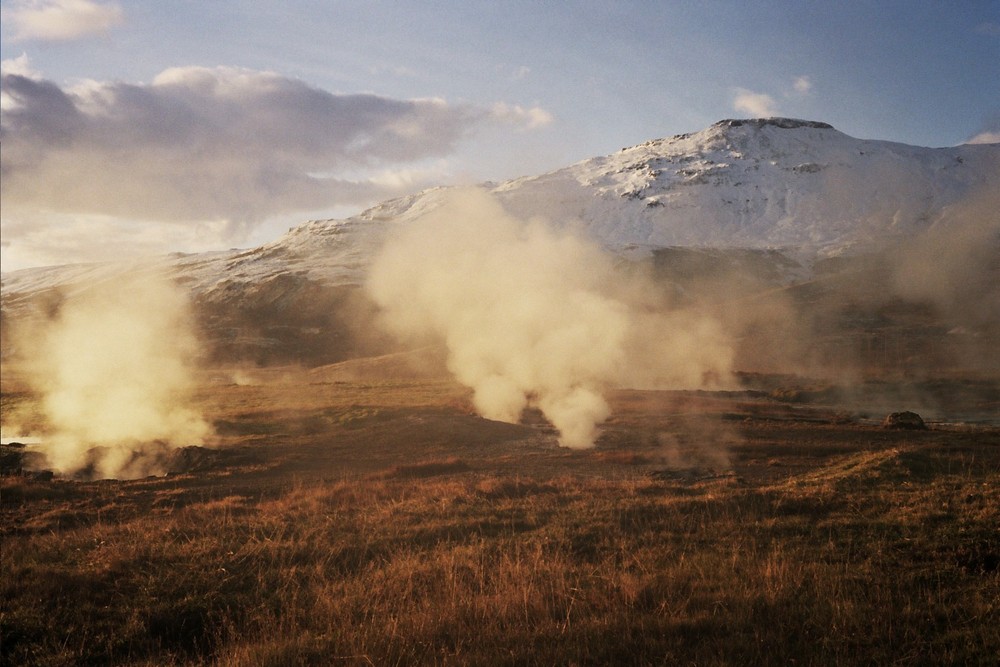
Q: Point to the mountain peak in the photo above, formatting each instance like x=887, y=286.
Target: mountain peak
x=758, y=183
x=723, y=131
x=783, y=123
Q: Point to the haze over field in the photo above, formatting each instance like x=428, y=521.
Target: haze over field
x=499, y=333
x=559, y=266
x=768, y=245
x=535, y=316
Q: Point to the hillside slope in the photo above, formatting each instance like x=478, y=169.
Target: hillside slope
x=781, y=201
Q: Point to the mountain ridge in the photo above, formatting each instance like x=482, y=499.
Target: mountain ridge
x=780, y=196
x=765, y=183
x=770, y=183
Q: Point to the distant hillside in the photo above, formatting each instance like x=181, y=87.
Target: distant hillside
x=778, y=201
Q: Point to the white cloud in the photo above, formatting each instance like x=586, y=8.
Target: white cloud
x=411, y=177
x=202, y=143
x=530, y=119
x=802, y=85
x=223, y=147
x=17, y=66
x=20, y=66
x=758, y=105
x=60, y=20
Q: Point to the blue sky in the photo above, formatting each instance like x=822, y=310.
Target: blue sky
x=190, y=125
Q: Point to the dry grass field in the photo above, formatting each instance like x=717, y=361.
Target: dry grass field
x=346, y=516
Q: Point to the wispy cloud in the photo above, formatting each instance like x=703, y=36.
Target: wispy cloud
x=802, y=85
x=19, y=66
x=758, y=105
x=763, y=105
x=220, y=143
x=60, y=20
x=529, y=119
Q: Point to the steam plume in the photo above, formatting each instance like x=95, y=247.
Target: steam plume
x=114, y=370
x=531, y=315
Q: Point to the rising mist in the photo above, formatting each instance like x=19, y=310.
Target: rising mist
x=534, y=316
x=114, y=369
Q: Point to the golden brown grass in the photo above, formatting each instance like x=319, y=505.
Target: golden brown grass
x=386, y=533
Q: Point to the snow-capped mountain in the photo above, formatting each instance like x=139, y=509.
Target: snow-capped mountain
x=765, y=183
x=791, y=190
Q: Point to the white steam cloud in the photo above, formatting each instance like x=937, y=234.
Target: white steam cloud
x=113, y=368
x=534, y=316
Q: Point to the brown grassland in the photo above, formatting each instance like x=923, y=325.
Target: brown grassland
x=341, y=520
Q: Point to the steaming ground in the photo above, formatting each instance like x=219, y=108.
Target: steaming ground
x=529, y=317
x=898, y=280
x=113, y=367
x=532, y=316
x=357, y=509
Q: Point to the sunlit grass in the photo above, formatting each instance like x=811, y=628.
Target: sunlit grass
x=489, y=570
x=826, y=545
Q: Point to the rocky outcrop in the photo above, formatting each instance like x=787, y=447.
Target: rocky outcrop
x=783, y=123
x=904, y=420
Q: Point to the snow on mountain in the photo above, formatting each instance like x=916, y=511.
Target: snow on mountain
x=765, y=183
x=799, y=186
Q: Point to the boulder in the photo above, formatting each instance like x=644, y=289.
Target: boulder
x=11, y=458
x=904, y=420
